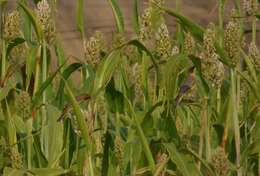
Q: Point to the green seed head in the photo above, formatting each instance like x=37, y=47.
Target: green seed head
x=44, y=17
x=93, y=48
x=18, y=55
x=119, y=149
x=244, y=88
x=208, y=42
x=15, y=158
x=189, y=44
x=254, y=54
x=11, y=26
x=212, y=69
x=118, y=40
x=220, y=161
x=232, y=41
x=146, y=25
x=250, y=7
x=23, y=105
x=163, y=42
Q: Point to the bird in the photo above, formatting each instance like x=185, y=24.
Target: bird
x=186, y=86
x=68, y=107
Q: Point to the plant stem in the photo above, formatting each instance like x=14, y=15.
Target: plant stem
x=218, y=99
x=220, y=18
x=254, y=30
x=235, y=120
x=29, y=143
x=207, y=131
x=45, y=144
x=3, y=63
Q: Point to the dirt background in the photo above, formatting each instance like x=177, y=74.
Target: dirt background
x=99, y=16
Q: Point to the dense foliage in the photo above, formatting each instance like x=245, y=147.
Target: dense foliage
x=156, y=103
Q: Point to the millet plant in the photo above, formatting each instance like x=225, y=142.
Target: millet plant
x=161, y=102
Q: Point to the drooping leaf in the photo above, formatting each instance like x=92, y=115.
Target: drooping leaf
x=118, y=15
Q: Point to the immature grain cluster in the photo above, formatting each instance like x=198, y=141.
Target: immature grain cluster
x=146, y=25
x=189, y=44
x=15, y=158
x=163, y=41
x=11, y=26
x=244, y=88
x=119, y=150
x=254, y=54
x=136, y=80
x=212, y=68
x=220, y=161
x=44, y=17
x=250, y=7
x=118, y=40
x=23, y=105
x=232, y=41
x=94, y=48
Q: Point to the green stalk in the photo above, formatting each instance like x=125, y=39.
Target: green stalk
x=29, y=143
x=3, y=63
x=178, y=9
x=220, y=18
x=218, y=100
x=254, y=30
x=45, y=144
x=235, y=121
x=207, y=131
x=202, y=132
x=147, y=151
x=37, y=72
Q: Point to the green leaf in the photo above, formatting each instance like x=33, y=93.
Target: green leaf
x=195, y=29
x=32, y=17
x=114, y=98
x=66, y=74
x=44, y=85
x=184, y=165
x=136, y=21
x=48, y=171
x=105, y=71
x=80, y=17
x=13, y=43
x=118, y=15
x=79, y=116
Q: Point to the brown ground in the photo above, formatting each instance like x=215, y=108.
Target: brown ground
x=98, y=16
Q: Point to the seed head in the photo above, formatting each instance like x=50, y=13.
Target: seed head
x=220, y=161
x=119, y=150
x=12, y=26
x=163, y=42
x=189, y=44
x=23, y=105
x=156, y=2
x=146, y=25
x=118, y=40
x=244, y=89
x=43, y=13
x=254, y=54
x=212, y=69
x=175, y=50
x=232, y=41
x=18, y=55
x=250, y=7
x=208, y=41
x=93, y=48
x=15, y=158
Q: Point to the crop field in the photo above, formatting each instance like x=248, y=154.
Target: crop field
x=158, y=102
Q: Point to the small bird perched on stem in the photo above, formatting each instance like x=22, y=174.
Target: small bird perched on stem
x=186, y=86
x=68, y=107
